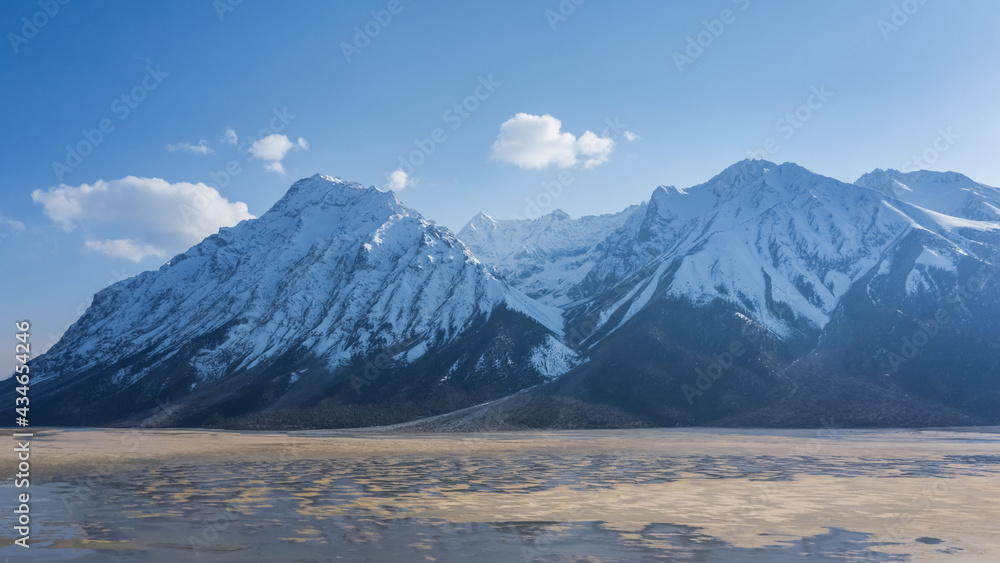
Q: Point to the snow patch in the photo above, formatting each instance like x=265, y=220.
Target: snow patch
x=553, y=358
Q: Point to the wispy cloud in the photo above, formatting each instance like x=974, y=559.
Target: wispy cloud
x=8, y=226
x=11, y=223
x=201, y=148
x=125, y=248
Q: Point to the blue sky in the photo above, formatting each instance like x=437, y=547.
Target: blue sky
x=897, y=80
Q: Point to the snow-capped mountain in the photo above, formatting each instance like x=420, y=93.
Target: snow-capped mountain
x=769, y=295
x=332, y=275
x=546, y=258
x=793, y=270
x=778, y=241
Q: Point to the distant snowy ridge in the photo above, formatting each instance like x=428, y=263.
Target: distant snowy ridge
x=778, y=241
x=546, y=258
x=948, y=193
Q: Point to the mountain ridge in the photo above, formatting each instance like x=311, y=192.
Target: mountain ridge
x=622, y=313
x=333, y=273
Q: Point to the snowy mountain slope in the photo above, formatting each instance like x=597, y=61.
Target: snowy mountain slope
x=771, y=295
x=546, y=258
x=780, y=243
x=948, y=193
x=332, y=273
x=777, y=241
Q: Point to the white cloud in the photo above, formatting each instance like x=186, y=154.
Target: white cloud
x=537, y=141
x=125, y=248
x=12, y=223
x=399, y=179
x=273, y=148
x=201, y=148
x=137, y=217
x=229, y=136
x=630, y=136
x=594, y=149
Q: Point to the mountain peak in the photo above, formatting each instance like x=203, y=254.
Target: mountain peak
x=320, y=176
x=321, y=191
x=743, y=172
x=749, y=167
x=666, y=191
x=480, y=221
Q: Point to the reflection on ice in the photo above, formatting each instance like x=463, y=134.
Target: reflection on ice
x=612, y=496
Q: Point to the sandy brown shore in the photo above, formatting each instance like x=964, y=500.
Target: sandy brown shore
x=723, y=495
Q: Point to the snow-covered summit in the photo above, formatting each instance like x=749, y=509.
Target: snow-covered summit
x=740, y=173
x=949, y=193
x=320, y=192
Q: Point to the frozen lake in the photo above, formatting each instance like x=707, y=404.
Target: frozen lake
x=622, y=495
